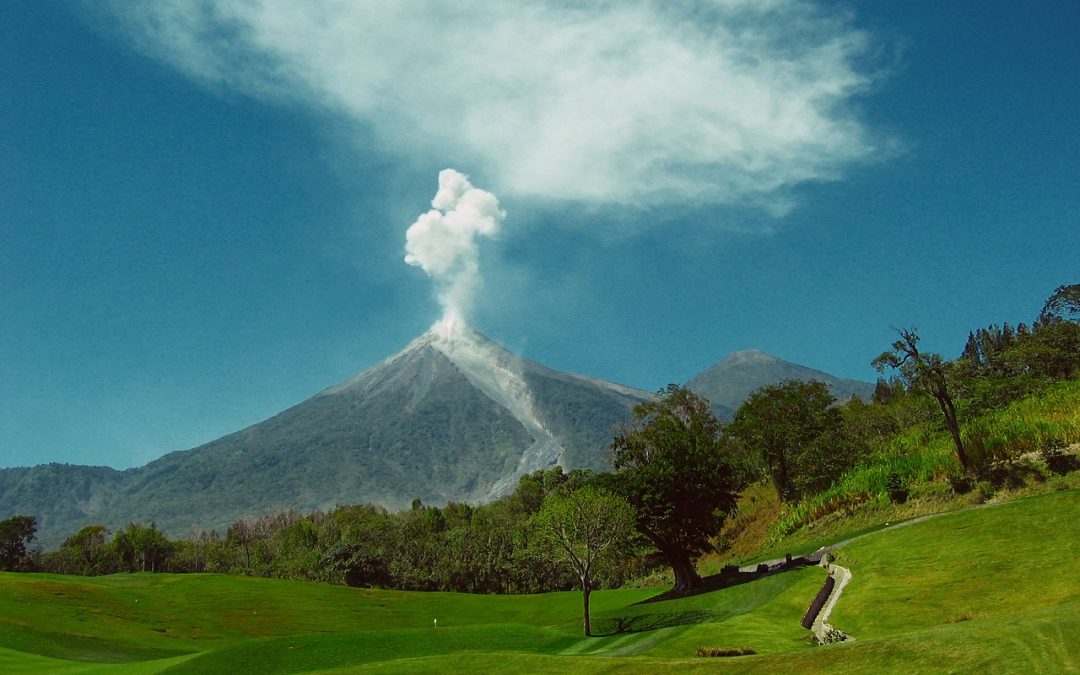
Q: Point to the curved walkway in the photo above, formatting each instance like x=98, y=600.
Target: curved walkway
x=843, y=575
x=821, y=626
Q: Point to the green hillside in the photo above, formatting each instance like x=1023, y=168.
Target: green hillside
x=989, y=588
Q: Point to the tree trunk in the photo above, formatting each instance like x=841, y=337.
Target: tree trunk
x=783, y=480
x=686, y=576
x=953, y=425
x=585, y=591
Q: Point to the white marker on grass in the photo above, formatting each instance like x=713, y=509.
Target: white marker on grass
x=436, y=621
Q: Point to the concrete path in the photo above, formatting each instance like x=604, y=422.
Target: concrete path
x=821, y=625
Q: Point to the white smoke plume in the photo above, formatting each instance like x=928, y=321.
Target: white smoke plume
x=652, y=102
x=443, y=242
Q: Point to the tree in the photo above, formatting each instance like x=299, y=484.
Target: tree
x=926, y=372
x=586, y=528
x=1053, y=350
x=783, y=423
x=1062, y=305
x=15, y=533
x=243, y=534
x=673, y=470
x=887, y=391
x=359, y=563
x=142, y=548
x=90, y=549
x=532, y=488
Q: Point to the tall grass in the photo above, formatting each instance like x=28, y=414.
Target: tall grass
x=923, y=454
x=917, y=455
x=1046, y=420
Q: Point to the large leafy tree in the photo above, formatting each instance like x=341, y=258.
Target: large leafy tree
x=784, y=424
x=142, y=548
x=89, y=550
x=1062, y=305
x=671, y=465
x=586, y=529
x=927, y=372
x=1054, y=347
x=15, y=533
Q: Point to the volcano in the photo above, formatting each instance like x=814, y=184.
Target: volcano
x=452, y=417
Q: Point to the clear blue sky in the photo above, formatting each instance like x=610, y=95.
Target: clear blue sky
x=203, y=206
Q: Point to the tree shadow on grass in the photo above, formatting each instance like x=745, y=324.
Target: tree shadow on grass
x=734, y=577
x=646, y=622
x=708, y=585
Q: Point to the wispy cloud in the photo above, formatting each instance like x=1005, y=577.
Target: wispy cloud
x=722, y=102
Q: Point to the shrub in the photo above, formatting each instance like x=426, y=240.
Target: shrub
x=832, y=636
x=961, y=482
x=724, y=651
x=984, y=491
x=1059, y=461
x=1013, y=473
x=898, y=492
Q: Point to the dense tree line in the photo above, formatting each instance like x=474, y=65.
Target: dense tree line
x=492, y=548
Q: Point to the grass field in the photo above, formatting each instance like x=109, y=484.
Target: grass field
x=994, y=589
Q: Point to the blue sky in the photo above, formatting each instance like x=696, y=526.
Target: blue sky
x=203, y=206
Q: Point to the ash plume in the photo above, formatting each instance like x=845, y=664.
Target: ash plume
x=443, y=243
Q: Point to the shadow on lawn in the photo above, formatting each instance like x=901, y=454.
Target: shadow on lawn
x=646, y=622
x=733, y=576
x=730, y=576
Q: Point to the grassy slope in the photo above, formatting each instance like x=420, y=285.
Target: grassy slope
x=981, y=589
x=923, y=458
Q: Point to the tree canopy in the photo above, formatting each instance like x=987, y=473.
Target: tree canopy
x=585, y=529
x=15, y=534
x=783, y=423
x=1062, y=305
x=671, y=466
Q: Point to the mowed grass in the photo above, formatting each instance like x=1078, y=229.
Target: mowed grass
x=1003, y=569
x=210, y=623
x=986, y=589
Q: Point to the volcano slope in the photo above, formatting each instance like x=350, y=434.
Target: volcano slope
x=985, y=589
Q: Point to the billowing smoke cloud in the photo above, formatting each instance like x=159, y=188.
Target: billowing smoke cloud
x=443, y=242
x=652, y=102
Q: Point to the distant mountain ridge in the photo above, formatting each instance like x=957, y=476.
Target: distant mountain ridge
x=452, y=417
x=731, y=381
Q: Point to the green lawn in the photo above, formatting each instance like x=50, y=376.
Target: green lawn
x=986, y=589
